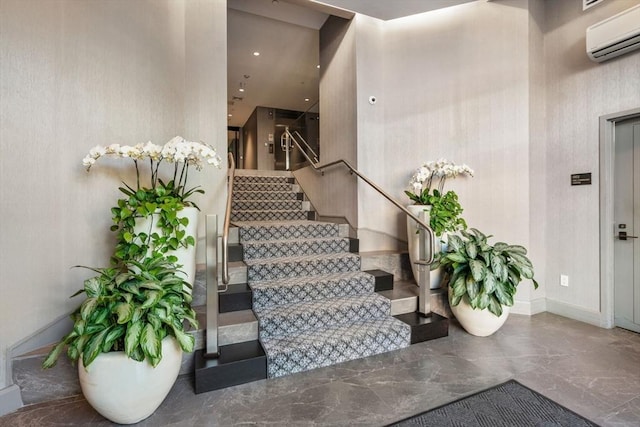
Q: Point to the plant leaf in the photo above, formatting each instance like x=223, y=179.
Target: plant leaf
x=87, y=307
x=473, y=288
x=472, y=249
x=93, y=347
x=125, y=312
x=93, y=287
x=132, y=338
x=186, y=341
x=150, y=343
x=494, y=306
x=490, y=282
x=52, y=357
x=478, y=269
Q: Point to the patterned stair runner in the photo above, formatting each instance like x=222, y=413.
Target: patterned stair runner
x=314, y=306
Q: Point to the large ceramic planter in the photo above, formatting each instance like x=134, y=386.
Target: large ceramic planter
x=480, y=323
x=126, y=391
x=186, y=256
x=413, y=241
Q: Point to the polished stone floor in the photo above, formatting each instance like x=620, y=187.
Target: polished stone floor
x=592, y=371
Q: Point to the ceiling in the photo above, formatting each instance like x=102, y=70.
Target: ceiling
x=391, y=9
x=285, y=32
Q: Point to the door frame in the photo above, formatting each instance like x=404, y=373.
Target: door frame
x=607, y=161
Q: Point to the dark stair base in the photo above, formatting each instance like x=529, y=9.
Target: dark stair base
x=237, y=364
x=425, y=328
x=384, y=280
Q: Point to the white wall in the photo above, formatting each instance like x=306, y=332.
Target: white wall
x=73, y=75
x=335, y=193
x=578, y=91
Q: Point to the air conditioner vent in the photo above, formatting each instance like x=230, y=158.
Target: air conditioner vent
x=614, y=36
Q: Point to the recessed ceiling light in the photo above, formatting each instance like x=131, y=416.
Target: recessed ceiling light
x=241, y=89
x=230, y=115
x=307, y=100
x=256, y=53
x=318, y=66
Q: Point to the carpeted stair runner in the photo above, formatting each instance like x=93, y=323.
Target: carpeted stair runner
x=314, y=306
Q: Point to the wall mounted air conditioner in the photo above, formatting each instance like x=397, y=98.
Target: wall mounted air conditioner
x=614, y=36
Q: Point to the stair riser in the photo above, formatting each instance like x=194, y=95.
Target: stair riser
x=279, y=324
x=266, y=196
x=294, y=248
x=251, y=205
x=287, y=232
x=269, y=216
x=274, y=271
x=240, y=179
x=341, y=348
x=262, y=187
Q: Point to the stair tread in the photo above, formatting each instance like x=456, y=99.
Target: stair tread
x=301, y=259
x=310, y=288
x=285, y=241
x=267, y=224
x=326, y=304
x=269, y=211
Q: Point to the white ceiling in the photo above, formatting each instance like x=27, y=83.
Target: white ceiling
x=285, y=32
x=391, y=9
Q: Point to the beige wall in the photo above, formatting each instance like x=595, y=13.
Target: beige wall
x=73, y=75
x=578, y=91
x=335, y=193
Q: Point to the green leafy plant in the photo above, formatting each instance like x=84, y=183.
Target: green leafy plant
x=168, y=232
x=445, y=215
x=129, y=308
x=485, y=276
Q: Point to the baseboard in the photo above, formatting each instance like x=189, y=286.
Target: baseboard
x=10, y=399
x=574, y=312
x=42, y=337
x=529, y=308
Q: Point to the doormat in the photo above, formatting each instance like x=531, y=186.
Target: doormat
x=509, y=404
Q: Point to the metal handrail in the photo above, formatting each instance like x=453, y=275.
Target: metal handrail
x=353, y=170
x=296, y=133
x=227, y=217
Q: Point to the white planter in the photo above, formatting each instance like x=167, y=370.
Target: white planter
x=480, y=323
x=186, y=256
x=126, y=391
x=413, y=239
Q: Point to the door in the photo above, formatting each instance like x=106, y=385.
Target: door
x=627, y=225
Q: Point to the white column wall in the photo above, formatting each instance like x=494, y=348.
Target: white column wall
x=76, y=74
x=578, y=92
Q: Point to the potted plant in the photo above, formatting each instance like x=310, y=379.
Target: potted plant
x=482, y=279
x=128, y=336
x=443, y=209
x=159, y=218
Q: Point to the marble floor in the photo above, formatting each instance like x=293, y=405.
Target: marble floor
x=593, y=371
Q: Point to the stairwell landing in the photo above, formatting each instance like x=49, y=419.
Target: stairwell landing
x=314, y=305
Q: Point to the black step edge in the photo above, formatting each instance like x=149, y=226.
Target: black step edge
x=425, y=328
x=237, y=364
x=237, y=297
x=354, y=245
x=384, y=280
x=235, y=252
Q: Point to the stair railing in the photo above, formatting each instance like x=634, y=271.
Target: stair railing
x=212, y=349
x=425, y=258
x=231, y=173
x=295, y=134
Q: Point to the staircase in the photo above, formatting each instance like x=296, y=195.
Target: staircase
x=306, y=304
x=314, y=305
